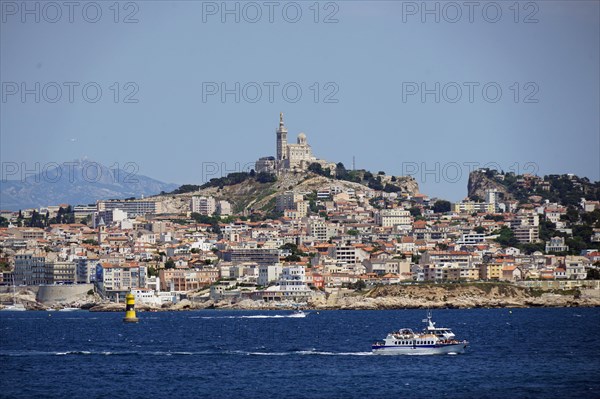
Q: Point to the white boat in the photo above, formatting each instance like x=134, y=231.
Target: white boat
x=298, y=313
x=432, y=341
x=68, y=309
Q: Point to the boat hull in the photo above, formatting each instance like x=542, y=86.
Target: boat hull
x=420, y=350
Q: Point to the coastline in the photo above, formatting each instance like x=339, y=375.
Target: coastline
x=430, y=296
x=381, y=303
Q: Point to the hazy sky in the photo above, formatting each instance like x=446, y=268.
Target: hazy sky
x=369, y=72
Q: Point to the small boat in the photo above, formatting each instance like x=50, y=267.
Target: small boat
x=432, y=341
x=298, y=313
x=68, y=309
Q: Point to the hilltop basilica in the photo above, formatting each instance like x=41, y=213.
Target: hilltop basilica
x=290, y=157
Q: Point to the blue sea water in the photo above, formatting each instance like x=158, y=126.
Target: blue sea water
x=519, y=353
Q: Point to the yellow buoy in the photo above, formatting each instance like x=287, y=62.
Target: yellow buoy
x=130, y=309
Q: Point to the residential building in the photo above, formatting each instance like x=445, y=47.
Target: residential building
x=116, y=280
x=133, y=208
x=393, y=217
x=29, y=270
x=556, y=244
x=260, y=256
x=474, y=207
x=287, y=200
x=490, y=271
x=224, y=208
x=181, y=280
x=203, y=205
x=268, y=274
x=60, y=273
x=321, y=230
x=575, y=267
x=291, y=286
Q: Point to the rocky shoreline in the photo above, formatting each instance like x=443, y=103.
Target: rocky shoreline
x=380, y=298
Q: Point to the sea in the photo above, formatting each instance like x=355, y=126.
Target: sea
x=512, y=353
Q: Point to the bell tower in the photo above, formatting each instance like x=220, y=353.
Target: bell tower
x=281, y=133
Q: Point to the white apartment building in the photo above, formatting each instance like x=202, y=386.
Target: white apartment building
x=321, y=230
x=268, y=274
x=474, y=207
x=133, y=208
x=556, y=244
x=223, y=208
x=347, y=254
x=575, y=267
x=291, y=286
x=203, y=205
x=118, y=279
x=393, y=217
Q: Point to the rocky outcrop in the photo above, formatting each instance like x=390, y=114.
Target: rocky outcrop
x=479, y=182
x=452, y=296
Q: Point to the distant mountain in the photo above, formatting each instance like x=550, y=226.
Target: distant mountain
x=77, y=182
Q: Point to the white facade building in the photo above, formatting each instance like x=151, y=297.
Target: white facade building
x=393, y=217
x=203, y=205
x=268, y=273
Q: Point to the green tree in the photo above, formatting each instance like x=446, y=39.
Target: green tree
x=152, y=272
x=318, y=169
x=415, y=211
x=442, y=206
x=572, y=215
x=360, y=285
x=186, y=188
x=264, y=177
x=340, y=171
x=593, y=274
x=506, y=237
x=375, y=184
x=169, y=264
x=4, y=266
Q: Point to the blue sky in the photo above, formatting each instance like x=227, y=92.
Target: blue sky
x=361, y=79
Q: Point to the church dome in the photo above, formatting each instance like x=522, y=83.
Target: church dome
x=302, y=138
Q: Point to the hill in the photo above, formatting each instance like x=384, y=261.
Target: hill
x=248, y=191
x=566, y=189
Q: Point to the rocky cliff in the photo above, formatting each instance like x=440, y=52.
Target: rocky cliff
x=479, y=182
